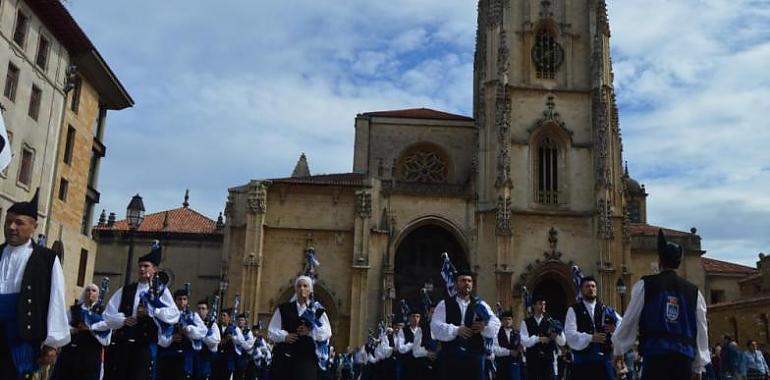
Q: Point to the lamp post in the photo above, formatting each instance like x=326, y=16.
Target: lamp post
x=223, y=284
x=620, y=286
x=134, y=217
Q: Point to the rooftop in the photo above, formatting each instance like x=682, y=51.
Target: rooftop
x=183, y=220
x=418, y=113
x=641, y=229
x=719, y=266
x=340, y=179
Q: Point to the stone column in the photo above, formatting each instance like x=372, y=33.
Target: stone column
x=359, y=284
x=251, y=281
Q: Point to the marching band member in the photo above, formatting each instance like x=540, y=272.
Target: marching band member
x=82, y=358
x=458, y=322
x=177, y=360
x=540, y=334
x=33, y=313
x=143, y=315
x=508, y=350
x=587, y=327
x=245, y=346
x=299, y=329
x=227, y=356
x=669, y=313
x=412, y=347
x=205, y=356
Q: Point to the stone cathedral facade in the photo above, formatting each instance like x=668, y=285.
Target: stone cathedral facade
x=531, y=185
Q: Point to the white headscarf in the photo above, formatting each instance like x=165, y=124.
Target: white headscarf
x=304, y=278
x=82, y=297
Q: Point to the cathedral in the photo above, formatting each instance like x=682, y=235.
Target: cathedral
x=529, y=186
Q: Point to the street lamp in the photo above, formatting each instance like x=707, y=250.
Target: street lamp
x=134, y=217
x=223, y=284
x=620, y=286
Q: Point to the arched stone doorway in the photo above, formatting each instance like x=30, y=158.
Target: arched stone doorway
x=418, y=261
x=556, y=297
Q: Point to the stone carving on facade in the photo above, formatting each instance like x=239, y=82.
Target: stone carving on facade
x=545, y=9
x=600, y=140
x=229, y=205
x=551, y=117
x=503, y=215
x=626, y=224
x=503, y=121
x=364, y=204
x=503, y=61
x=550, y=262
x=604, y=211
x=424, y=166
x=257, y=197
x=495, y=12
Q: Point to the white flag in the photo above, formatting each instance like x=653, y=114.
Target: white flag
x=5, y=145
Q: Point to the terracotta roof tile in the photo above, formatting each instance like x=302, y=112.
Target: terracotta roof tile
x=719, y=266
x=419, y=113
x=180, y=220
x=650, y=230
x=340, y=179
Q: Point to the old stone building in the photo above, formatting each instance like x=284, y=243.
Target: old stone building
x=531, y=185
x=57, y=92
x=745, y=315
x=192, y=246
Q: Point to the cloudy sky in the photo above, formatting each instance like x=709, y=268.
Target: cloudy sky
x=228, y=91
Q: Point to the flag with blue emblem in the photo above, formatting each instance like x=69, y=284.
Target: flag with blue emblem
x=448, y=274
x=577, y=278
x=5, y=146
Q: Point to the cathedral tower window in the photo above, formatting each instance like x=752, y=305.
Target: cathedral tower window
x=548, y=172
x=547, y=54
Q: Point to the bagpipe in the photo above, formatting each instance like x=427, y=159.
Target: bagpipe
x=230, y=330
x=213, y=314
x=427, y=340
x=151, y=300
x=187, y=318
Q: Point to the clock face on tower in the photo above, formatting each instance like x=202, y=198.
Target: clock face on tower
x=547, y=55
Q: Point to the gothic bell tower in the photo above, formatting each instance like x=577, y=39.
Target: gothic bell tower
x=549, y=162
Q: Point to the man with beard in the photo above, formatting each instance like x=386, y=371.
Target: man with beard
x=457, y=324
x=33, y=313
x=540, y=336
x=669, y=313
x=588, y=336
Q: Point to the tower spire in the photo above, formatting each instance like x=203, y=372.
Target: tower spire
x=186, y=202
x=301, y=169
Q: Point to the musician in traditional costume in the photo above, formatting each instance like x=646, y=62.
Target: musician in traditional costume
x=386, y=353
x=669, y=313
x=301, y=332
x=463, y=323
x=412, y=347
x=177, y=360
x=33, y=312
x=82, y=358
x=205, y=356
x=261, y=355
x=142, y=315
x=229, y=351
x=245, y=346
x=588, y=327
x=540, y=335
x=508, y=350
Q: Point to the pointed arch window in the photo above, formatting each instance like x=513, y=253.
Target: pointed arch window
x=547, y=55
x=548, y=172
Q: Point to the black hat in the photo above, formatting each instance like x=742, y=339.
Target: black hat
x=154, y=256
x=537, y=297
x=670, y=254
x=463, y=272
x=26, y=208
x=181, y=292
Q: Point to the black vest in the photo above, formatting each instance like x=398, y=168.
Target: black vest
x=540, y=351
x=409, y=335
x=83, y=339
x=35, y=294
x=304, y=347
x=145, y=330
x=228, y=347
x=588, y=326
x=475, y=344
x=503, y=341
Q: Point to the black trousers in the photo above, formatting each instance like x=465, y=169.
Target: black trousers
x=542, y=370
x=463, y=367
x=78, y=362
x=594, y=371
x=294, y=369
x=130, y=361
x=669, y=367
